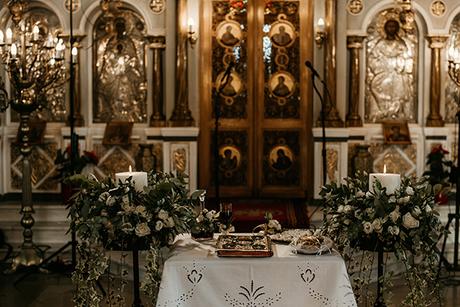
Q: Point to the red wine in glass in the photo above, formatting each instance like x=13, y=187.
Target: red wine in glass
x=226, y=214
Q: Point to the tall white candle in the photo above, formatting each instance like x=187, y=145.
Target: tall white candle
x=139, y=179
x=389, y=181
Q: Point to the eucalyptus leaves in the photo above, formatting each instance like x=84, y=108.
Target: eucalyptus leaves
x=405, y=224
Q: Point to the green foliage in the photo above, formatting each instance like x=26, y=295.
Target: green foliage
x=405, y=224
x=113, y=215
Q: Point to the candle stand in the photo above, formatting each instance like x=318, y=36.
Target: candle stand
x=136, y=287
x=380, y=302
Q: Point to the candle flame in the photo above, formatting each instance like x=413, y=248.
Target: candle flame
x=130, y=169
x=384, y=168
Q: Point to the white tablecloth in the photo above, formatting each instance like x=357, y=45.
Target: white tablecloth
x=195, y=276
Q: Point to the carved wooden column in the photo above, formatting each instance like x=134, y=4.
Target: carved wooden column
x=157, y=44
x=332, y=115
x=434, y=118
x=79, y=120
x=182, y=116
x=354, y=44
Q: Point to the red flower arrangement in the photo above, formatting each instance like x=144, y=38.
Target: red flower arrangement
x=66, y=168
x=441, y=173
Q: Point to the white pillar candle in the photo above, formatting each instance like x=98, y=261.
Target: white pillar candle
x=139, y=179
x=389, y=181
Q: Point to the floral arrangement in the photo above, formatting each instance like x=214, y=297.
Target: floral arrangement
x=66, y=168
x=441, y=172
x=109, y=215
x=271, y=225
x=206, y=224
x=404, y=224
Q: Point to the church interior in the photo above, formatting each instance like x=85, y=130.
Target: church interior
x=260, y=103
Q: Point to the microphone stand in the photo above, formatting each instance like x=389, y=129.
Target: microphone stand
x=323, y=124
x=226, y=79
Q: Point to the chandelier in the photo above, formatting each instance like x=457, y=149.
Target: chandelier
x=34, y=61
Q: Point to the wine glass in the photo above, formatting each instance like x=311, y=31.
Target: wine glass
x=226, y=217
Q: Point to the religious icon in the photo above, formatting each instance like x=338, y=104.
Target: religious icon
x=281, y=84
x=229, y=159
x=396, y=132
x=281, y=158
x=121, y=90
x=390, y=72
x=282, y=34
x=118, y=133
x=232, y=87
x=228, y=34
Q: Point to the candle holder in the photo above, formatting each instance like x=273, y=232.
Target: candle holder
x=34, y=65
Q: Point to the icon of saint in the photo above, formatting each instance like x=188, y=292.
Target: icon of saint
x=281, y=89
x=282, y=38
x=228, y=162
x=391, y=80
x=229, y=90
x=396, y=135
x=228, y=38
x=283, y=162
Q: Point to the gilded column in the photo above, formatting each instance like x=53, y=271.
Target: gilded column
x=332, y=115
x=157, y=119
x=354, y=44
x=79, y=120
x=434, y=118
x=182, y=116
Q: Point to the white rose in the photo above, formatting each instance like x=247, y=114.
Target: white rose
x=125, y=199
x=110, y=201
x=394, y=215
x=142, y=230
x=200, y=218
x=209, y=215
x=158, y=225
x=163, y=215
x=205, y=211
x=409, y=221
x=104, y=196
x=340, y=209
x=360, y=194
x=409, y=191
x=347, y=209
x=274, y=224
x=404, y=200
x=370, y=211
x=416, y=211
x=393, y=230
x=128, y=207
x=428, y=209
x=377, y=225
x=140, y=210
x=367, y=227
x=169, y=223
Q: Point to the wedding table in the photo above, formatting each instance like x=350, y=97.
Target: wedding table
x=195, y=276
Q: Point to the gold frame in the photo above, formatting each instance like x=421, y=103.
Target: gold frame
x=396, y=132
x=118, y=133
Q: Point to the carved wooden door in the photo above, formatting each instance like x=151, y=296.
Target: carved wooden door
x=264, y=138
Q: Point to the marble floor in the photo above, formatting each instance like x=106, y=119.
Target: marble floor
x=55, y=290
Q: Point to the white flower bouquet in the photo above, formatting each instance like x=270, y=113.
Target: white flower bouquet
x=110, y=215
x=404, y=223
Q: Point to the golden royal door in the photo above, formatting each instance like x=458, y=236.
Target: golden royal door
x=264, y=137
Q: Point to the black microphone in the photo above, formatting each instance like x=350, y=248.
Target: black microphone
x=312, y=69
